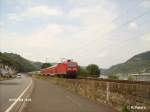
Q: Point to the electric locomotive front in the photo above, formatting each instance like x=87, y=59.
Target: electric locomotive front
x=72, y=69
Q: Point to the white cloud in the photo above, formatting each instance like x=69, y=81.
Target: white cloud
x=35, y=11
x=84, y=42
x=145, y=4
x=146, y=38
x=1, y=24
x=103, y=54
x=95, y=19
x=133, y=26
x=62, y=40
x=49, y=38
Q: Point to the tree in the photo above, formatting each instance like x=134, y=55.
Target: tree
x=45, y=65
x=82, y=72
x=93, y=70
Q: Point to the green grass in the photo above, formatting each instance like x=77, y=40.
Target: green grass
x=41, y=77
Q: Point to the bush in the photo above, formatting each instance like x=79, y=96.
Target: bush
x=125, y=108
x=113, y=76
x=130, y=78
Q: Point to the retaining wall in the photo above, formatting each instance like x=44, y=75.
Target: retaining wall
x=115, y=93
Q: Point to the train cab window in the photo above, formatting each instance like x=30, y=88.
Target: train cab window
x=72, y=64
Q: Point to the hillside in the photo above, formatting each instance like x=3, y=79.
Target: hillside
x=18, y=62
x=38, y=65
x=136, y=64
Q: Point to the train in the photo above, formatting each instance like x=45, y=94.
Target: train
x=66, y=69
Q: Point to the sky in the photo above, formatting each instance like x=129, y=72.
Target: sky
x=102, y=32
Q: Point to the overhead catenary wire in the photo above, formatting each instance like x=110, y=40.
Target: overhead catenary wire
x=114, y=30
x=119, y=44
x=120, y=26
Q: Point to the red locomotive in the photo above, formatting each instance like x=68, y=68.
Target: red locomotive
x=67, y=69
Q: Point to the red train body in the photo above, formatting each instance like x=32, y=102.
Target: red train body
x=67, y=69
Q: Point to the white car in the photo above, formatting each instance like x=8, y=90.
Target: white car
x=19, y=75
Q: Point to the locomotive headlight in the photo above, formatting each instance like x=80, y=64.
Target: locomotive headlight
x=74, y=68
x=69, y=69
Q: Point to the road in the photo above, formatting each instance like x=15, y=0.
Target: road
x=47, y=97
x=11, y=89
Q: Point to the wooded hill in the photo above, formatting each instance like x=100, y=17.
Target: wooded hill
x=19, y=63
x=136, y=64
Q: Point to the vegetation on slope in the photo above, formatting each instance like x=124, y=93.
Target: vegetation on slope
x=19, y=63
x=136, y=64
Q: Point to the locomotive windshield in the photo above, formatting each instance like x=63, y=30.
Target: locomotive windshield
x=72, y=64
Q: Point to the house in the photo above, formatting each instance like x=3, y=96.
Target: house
x=6, y=70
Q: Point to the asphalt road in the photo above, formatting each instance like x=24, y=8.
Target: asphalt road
x=47, y=97
x=11, y=89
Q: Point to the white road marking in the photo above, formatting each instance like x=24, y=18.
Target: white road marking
x=13, y=104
